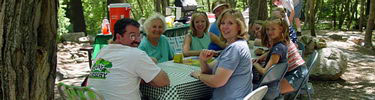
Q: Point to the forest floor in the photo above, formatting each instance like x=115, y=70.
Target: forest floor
x=357, y=83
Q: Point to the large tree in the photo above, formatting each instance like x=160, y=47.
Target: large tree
x=370, y=25
x=311, y=12
x=362, y=15
x=254, y=8
x=28, y=49
x=76, y=16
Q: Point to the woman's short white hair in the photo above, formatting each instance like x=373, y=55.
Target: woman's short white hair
x=154, y=16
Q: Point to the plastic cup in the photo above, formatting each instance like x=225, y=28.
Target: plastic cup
x=178, y=58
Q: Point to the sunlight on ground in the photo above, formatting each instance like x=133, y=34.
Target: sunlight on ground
x=358, y=82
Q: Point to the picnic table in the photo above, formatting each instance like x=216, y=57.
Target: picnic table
x=182, y=85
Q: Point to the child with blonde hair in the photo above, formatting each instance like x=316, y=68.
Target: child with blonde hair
x=277, y=31
x=199, y=39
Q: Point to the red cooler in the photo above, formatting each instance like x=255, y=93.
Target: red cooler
x=118, y=11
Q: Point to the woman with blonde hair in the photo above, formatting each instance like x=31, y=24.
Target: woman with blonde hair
x=199, y=39
x=231, y=73
x=155, y=44
x=217, y=8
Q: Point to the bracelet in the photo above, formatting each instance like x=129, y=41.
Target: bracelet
x=199, y=76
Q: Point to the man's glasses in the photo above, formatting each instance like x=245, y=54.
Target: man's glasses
x=134, y=37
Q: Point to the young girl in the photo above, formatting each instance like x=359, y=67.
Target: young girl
x=280, y=13
x=199, y=39
x=296, y=64
x=277, y=31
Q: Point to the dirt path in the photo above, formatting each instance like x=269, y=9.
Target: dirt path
x=357, y=83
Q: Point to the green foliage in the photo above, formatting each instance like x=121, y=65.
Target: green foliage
x=94, y=12
x=63, y=21
x=144, y=9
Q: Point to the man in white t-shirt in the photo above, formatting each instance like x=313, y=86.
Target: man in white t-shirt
x=120, y=67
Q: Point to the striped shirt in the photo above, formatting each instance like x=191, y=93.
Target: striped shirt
x=294, y=58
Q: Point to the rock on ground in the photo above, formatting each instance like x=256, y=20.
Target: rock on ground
x=330, y=65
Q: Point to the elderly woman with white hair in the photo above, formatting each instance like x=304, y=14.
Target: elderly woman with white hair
x=155, y=44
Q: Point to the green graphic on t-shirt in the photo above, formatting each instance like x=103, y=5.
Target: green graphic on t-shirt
x=100, y=69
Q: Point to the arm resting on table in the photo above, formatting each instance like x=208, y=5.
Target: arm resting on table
x=206, y=68
x=160, y=80
x=219, y=79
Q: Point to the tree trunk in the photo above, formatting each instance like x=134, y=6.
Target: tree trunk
x=341, y=15
x=244, y=5
x=157, y=6
x=208, y=6
x=263, y=11
x=312, y=16
x=77, y=18
x=308, y=13
x=362, y=15
x=334, y=14
x=354, y=12
x=141, y=7
x=202, y=2
x=368, y=7
x=345, y=12
x=164, y=6
x=232, y=3
x=28, y=49
x=270, y=6
x=168, y=3
x=370, y=25
x=253, y=10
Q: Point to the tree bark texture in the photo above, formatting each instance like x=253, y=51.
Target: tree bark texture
x=368, y=7
x=208, y=6
x=370, y=25
x=334, y=16
x=141, y=7
x=270, y=5
x=157, y=6
x=232, y=3
x=263, y=14
x=345, y=12
x=353, y=9
x=362, y=15
x=77, y=18
x=253, y=10
x=28, y=31
x=164, y=6
x=312, y=10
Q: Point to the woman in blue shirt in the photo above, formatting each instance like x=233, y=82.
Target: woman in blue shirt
x=231, y=73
